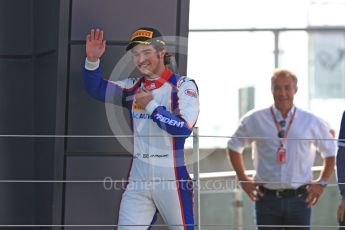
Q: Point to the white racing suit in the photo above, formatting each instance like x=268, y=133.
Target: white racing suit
x=158, y=179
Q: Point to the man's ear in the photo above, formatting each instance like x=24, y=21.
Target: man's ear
x=162, y=53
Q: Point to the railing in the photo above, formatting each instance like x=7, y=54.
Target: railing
x=197, y=179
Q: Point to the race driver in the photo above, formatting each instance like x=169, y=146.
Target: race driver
x=163, y=111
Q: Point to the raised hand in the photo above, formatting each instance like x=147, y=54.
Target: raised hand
x=95, y=45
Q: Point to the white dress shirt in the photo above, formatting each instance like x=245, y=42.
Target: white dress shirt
x=306, y=135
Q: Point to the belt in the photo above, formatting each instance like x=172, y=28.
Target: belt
x=284, y=193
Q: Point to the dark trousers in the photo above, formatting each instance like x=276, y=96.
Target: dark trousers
x=276, y=211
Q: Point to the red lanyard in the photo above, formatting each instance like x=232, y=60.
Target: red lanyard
x=282, y=140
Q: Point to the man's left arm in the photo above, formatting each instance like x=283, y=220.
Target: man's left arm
x=316, y=188
x=179, y=122
x=326, y=145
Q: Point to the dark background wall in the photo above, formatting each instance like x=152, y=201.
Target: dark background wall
x=41, y=93
x=28, y=67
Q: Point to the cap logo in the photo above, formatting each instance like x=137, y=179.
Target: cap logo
x=142, y=33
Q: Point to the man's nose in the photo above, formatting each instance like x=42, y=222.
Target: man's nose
x=282, y=92
x=141, y=58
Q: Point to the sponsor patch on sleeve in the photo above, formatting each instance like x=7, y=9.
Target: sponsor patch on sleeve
x=191, y=93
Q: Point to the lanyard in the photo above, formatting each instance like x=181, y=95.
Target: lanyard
x=282, y=140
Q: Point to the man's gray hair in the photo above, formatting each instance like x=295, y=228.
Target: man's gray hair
x=283, y=73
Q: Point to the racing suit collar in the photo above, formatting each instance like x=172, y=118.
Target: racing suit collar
x=151, y=84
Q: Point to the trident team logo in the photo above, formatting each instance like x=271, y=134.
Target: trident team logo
x=118, y=116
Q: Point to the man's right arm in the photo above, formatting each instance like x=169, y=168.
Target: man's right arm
x=247, y=183
x=235, y=147
x=237, y=162
x=95, y=85
x=95, y=48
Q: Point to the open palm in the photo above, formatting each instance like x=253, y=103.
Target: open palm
x=95, y=45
